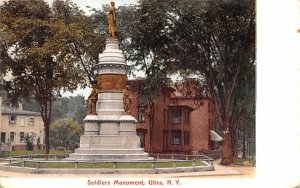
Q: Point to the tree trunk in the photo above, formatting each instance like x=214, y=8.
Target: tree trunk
x=227, y=144
x=244, y=141
x=45, y=102
x=151, y=125
x=47, y=145
x=227, y=150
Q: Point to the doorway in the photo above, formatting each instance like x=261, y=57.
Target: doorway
x=3, y=135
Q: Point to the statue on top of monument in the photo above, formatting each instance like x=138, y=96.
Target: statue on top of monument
x=112, y=23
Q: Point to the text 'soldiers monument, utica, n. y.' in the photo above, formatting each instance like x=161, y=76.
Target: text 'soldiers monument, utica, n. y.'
x=110, y=132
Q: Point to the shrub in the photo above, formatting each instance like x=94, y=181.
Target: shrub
x=29, y=142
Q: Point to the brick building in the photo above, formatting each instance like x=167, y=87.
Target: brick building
x=180, y=123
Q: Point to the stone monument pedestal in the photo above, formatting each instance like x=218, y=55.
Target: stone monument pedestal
x=110, y=134
x=109, y=138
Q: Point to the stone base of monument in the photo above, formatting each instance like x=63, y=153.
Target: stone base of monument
x=109, y=147
x=109, y=154
x=110, y=135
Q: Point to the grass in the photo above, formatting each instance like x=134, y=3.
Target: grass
x=134, y=165
x=32, y=164
x=95, y=165
x=34, y=152
x=61, y=164
x=243, y=161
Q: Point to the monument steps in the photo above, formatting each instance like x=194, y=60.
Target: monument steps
x=108, y=151
x=109, y=146
x=112, y=156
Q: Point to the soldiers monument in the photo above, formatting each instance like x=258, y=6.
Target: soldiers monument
x=110, y=132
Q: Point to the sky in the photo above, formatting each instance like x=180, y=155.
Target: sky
x=98, y=3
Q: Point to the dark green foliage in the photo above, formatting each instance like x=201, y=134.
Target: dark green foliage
x=65, y=133
x=47, y=50
x=29, y=139
x=211, y=40
x=73, y=107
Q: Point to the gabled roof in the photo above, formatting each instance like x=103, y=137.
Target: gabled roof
x=14, y=111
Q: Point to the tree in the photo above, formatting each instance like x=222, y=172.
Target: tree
x=86, y=42
x=221, y=49
x=140, y=36
x=69, y=107
x=213, y=40
x=65, y=133
x=245, y=138
x=29, y=139
x=45, y=50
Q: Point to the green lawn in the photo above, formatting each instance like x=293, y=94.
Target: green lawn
x=95, y=165
x=134, y=165
x=35, y=152
x=244, y=161
x=32, y=164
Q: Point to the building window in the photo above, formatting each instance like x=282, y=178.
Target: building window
x=176, y=138
x=175, y=116
x=22, y=137
x=32, y=134
x=141, y=116
x=3, y=134
x=142, y=138
x=22, y=122
x=31, y=121
x=186, y=117
x=12, y=136
x=186, y=138
x=12, y=120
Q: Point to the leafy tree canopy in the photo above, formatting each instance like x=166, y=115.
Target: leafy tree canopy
x=73, y=107
x=65, y=133
x=211, y=40
x=46, y=50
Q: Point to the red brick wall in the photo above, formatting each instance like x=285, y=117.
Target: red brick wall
x=201, y=119
x=199, y=129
